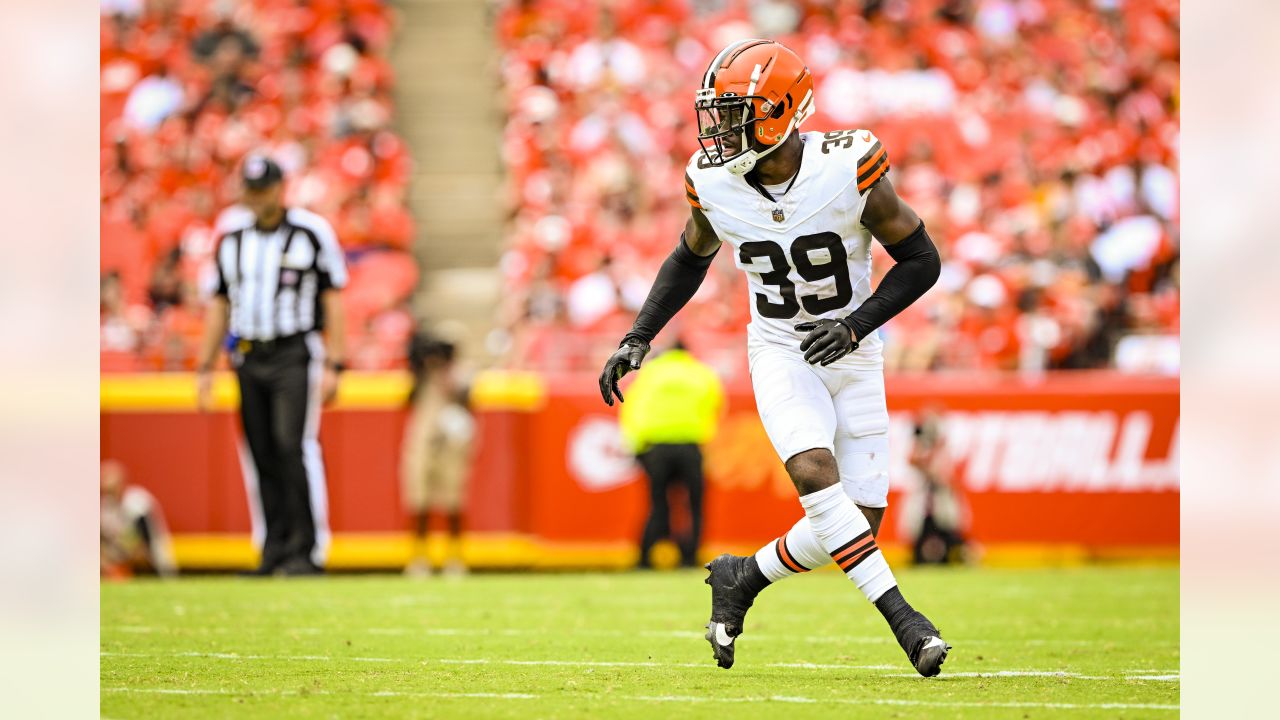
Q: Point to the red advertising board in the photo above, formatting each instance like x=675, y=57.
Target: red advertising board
x=1086, y=459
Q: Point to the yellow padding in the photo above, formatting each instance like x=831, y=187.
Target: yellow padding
x=503, y=390
x=176, y=392
x=366, y=551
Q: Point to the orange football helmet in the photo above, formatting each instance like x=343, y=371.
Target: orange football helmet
x=754, y=93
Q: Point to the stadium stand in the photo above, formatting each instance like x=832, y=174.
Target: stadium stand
x=187, y=88
x=1038, y=139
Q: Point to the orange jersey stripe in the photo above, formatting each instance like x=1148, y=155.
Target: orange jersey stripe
x=867, y=165
x=874, y=177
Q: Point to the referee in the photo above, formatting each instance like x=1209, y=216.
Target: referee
x=279, y=276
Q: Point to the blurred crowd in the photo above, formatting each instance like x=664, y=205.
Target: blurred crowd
x=188, y=87
x=1037, y=138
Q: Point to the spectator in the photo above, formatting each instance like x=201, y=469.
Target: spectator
x=153, y=99
x=1038, y=138
x=436, y=455
x=134, y=537
x=934, y=515
x=187, y=90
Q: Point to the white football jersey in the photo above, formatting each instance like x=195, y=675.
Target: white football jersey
x=807, y=255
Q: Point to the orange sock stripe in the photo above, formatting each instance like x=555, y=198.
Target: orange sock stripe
x=788, y=559
x=860, y=547
x=855, y=541
x=853, y=561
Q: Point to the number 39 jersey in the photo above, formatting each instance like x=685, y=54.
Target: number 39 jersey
x=807, y=255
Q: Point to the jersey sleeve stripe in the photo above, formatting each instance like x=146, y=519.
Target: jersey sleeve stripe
x=693, y=200
x=689, y=188
x=867, y=172
x=874, y=154
x=874, y=176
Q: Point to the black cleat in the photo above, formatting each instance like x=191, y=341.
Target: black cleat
x=923, y=644
x=731, y=598
x=930, y=652
x=918, y=637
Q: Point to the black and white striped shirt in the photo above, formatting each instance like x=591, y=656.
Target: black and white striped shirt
x=273, y=279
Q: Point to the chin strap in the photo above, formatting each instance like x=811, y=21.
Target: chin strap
x=745, y=161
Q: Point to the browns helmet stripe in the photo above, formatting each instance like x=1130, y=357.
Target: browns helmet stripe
x=725, y=56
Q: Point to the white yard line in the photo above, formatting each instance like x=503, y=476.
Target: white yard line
x=1126, y=675
x=661, y=698
x=1015, y=673
x=829, y=666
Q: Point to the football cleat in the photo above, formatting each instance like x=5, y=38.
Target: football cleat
x=929, y=655
x=730, y=601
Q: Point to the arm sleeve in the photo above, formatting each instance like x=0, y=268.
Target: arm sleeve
x=678, y=279
x=915, y=270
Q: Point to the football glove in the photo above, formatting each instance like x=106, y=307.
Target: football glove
x=625, y=359
x=827, y=341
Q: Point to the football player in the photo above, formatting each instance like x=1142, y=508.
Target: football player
x=799, y=211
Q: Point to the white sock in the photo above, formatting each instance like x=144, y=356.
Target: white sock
x=797, y=551
x=843, y=531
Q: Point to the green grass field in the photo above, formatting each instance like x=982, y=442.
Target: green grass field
x=1099, y=642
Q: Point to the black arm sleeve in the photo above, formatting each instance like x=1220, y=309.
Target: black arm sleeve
x=678, y=279
x=916, y=269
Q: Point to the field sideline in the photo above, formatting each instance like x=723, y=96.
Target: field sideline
x=1087, y=642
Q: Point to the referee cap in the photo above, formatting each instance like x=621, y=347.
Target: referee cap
x=260, y=172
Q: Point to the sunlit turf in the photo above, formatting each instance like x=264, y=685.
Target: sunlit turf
x=1083, y=643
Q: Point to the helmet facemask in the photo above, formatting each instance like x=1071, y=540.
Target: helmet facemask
x=742, y=117
x=725, y=125
x=726, y=128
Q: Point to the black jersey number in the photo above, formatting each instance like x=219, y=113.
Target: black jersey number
x=835, y=267
x=840, y=139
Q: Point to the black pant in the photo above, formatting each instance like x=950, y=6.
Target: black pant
x=667, y=466
x=280, y=426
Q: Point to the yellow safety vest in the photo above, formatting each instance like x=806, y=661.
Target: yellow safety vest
x=674, y=400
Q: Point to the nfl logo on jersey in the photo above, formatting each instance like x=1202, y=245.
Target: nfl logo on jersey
x=777, y=215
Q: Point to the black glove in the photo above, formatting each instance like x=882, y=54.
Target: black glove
x=827, y=341
x=625, y=359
